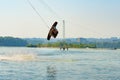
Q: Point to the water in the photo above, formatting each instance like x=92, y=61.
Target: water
x=52, y=64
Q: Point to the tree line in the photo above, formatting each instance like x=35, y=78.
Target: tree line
x=11, y=41
x=71, y=43
x=59, y=44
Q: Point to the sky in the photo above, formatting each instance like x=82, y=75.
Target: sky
x=83, y=18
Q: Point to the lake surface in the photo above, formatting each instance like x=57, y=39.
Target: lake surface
x=20, y=63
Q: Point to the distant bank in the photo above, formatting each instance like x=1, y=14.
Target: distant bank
x=112, y=43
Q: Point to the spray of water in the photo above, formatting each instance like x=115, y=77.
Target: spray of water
x=18, y=57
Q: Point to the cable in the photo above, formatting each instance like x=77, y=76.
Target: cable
x=37, y=13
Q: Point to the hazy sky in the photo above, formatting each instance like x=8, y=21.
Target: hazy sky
x=83, y=18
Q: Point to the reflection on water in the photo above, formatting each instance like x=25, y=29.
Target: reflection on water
x=51, y=72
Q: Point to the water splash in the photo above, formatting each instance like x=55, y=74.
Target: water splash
x=18, y=57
